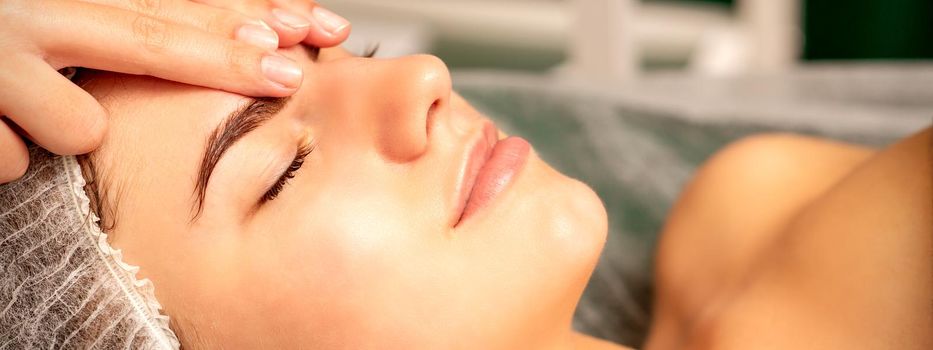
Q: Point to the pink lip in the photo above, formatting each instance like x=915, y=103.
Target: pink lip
x=491, y=167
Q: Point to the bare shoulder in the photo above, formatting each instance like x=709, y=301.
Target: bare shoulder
x=854, y=269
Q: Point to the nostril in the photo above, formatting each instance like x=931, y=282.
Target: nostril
x=432, y=111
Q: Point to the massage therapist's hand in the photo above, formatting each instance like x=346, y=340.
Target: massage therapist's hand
x=295, y=21
x=209, y=43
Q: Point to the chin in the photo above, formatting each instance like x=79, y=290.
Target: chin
x=588, y=215
x=589, y=208
x=577, y=217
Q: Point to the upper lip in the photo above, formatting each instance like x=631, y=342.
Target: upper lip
x=477, y=154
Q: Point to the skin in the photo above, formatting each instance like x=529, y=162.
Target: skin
x=784, y=241
x=359, y=250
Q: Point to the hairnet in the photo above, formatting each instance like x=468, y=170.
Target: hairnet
x=61, y=284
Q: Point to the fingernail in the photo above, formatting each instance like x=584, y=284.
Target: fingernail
x=282, y=71
x=264, y=25
x=258, y=35
x=330, y=21
x=291, y=19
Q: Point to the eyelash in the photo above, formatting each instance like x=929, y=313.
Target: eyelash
x=289, y=173
x=371, y=51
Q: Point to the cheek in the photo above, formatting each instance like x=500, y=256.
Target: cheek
x=350, y=222
x=352, y=270
x=357, y=239
x=345, y=248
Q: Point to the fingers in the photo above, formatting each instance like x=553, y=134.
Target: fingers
x=294, y=20
x=131, y=43
x=227, y=23
x=330, y=28
x=291, y=27
x=13, y=154
x=334, y=29
x=56, y=114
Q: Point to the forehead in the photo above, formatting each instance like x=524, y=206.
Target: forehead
x=151, y=116
x=141, y=107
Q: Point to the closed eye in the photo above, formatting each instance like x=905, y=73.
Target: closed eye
x=288, y=174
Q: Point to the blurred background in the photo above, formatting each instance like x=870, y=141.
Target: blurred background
x=703, y=35
x=632, y=96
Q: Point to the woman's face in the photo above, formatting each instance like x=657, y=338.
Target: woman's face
x=364, y=247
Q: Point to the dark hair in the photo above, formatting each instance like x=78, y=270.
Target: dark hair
x=97, y=194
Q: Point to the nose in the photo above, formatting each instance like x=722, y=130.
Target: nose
x=408, y=96
x=417, y=92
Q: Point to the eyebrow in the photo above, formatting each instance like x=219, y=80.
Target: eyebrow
x=228, y=132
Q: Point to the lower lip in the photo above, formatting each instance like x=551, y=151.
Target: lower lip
x=503, y=166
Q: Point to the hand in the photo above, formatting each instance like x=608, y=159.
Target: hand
x=295, y=21
x=177, y=40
